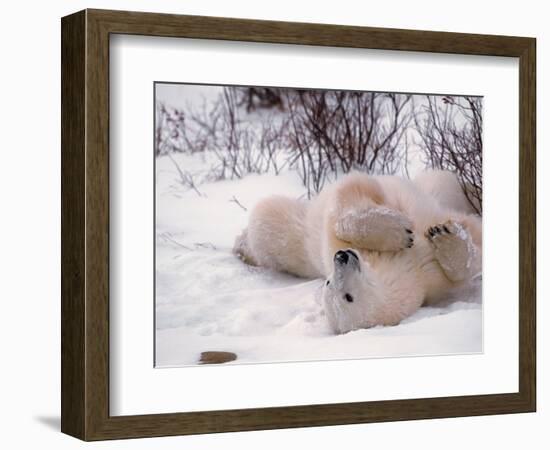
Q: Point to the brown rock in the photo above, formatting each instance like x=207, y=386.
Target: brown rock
x=217, y=357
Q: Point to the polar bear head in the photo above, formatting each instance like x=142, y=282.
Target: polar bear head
x=350, y=294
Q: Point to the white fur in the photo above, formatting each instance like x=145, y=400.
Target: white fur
x=415, y=243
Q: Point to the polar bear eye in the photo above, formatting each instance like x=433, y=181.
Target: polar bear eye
x=327, y=283
x=348, y=298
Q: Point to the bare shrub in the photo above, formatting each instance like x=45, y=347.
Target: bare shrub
x=450, y=129
x=254, y=98
x=331, y=132
x=241, y=146
x=169, y=129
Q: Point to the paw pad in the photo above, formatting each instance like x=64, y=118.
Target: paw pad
x=410, y=238
x=437, y=230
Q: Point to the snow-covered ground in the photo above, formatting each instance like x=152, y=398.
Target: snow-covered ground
x=209, y=300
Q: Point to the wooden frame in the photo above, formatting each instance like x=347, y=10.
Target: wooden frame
x=85, y=224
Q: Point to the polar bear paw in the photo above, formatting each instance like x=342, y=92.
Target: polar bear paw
x=453, y=248
x=379, y=229
x=242, y=249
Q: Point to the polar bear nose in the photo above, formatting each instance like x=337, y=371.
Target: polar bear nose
x=341, y=257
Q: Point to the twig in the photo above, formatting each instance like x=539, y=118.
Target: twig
x=186, y=178
x=238, y=203
x=168, y=237
x=205, y=245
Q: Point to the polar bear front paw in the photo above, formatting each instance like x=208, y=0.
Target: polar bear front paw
x=453, y=248
x=379, y=229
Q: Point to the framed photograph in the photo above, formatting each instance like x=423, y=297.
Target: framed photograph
x=270, y=224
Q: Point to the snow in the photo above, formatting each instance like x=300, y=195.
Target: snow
x=209, y=300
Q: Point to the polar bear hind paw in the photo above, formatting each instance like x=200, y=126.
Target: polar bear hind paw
x=242, y=249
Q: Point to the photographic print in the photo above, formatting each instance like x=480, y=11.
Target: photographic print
x=296, y=224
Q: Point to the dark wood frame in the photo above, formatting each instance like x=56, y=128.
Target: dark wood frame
x=85, y=224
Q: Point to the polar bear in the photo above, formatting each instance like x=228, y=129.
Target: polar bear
x=385, y=245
